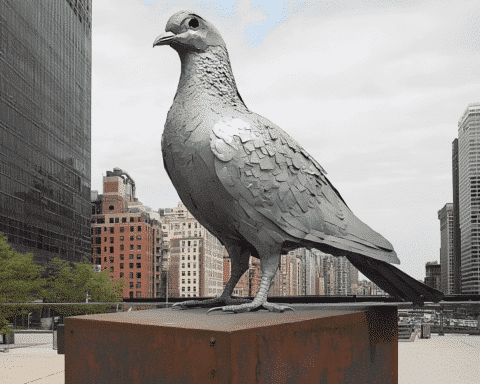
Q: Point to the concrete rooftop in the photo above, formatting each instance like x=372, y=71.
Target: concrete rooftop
x=445, y=359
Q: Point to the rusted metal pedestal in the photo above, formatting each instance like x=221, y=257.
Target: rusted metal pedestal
x=315, y=344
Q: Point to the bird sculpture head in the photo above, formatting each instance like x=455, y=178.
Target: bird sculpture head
x=187, y=31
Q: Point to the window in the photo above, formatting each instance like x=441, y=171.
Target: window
x=194, y=273
x=121, y=274
x=183, y=289
x=130, y=265
x=183, y=257
x=121, y=247
x=139, y=228
x=111, y=260
x=139, y=294
x=111, y=220
x=131, y=284
x=130, y=275
x=121, y=265
x=116, y=220
x=131, y=219
x=183, y=265
x=188, y=288
x=139, y=275
x=131, y=229
x=188, y=265
x=139, y=256
x=139, y=284
x=112, y=229
x=183, y=281
x=194, y=257
x=194, y=281
x=183, y=273
x=131, y=247
x=124, y=220
x=188, y=273
x=130, y=256
x=121, y=238
x=139, y=237
x=111, y=269
x=139, y=265
x=131, y=294
x=194, y=288
x=188, y=281
x=111, y=240
x=188, y=257
x=98, y=240
x=131, y=238
x=122, y=229
x=139, y=247
x=111, y=207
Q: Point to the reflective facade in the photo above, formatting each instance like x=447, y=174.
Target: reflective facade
x=45, y=126
x=469, y=197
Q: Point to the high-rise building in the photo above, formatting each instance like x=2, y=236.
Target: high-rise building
x=45, y=126
x=125, y=241
x=445, y=215
x=457, y=239
x=193, y=257
x=433, y=275
x=469, y=197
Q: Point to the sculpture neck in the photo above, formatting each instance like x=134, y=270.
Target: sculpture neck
x=206, y=74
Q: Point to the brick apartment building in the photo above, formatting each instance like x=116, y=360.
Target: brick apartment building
x=125, y=241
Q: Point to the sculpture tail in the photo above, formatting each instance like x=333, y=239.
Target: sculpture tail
x=394, y=281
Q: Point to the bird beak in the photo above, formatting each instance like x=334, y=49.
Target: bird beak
x=164, y=39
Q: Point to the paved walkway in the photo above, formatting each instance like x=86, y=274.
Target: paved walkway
x=449, y=359
x=452, y=359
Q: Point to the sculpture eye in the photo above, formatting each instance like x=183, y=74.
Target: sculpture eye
x=193, y=23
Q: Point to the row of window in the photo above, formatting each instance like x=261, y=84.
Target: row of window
x=194, y=289
x=194, y=281
x=130, y=265
x=188, y=257
x=188, y=265
x=188, y=273
x=130, y=275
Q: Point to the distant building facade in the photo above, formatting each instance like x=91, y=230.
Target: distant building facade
x=445, y=215
x=126, y=242
x=433, y=275
x=193, y=257
x=469, y=197
x=45, y=127
x=457, y=238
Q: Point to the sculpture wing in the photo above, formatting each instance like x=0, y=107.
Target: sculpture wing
x=266, y=170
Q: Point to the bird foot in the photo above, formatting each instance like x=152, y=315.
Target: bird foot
x=251, y=307
x=229, y=301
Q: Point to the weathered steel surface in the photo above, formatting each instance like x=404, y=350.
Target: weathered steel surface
x=315, y=344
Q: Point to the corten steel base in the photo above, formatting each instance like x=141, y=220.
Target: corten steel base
x=315, y=344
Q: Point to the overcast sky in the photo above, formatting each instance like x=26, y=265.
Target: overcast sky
x=372, y=89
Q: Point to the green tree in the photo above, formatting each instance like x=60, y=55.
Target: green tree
x=20, y=282
x=71, y=282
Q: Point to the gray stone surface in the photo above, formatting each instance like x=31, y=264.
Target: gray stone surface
x=251, y=184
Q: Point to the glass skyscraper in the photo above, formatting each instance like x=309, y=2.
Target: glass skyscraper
x=469, y=197
x=45, y=126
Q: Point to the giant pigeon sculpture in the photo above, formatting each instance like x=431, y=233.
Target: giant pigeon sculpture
x=252, y=185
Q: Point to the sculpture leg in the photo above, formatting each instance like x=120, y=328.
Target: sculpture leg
x=239, y=258
x=269, y=264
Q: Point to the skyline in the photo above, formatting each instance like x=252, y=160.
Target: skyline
x=376, y=104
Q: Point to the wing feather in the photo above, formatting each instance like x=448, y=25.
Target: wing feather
x=274, y=177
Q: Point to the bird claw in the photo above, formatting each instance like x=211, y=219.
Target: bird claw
x=214, y=309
